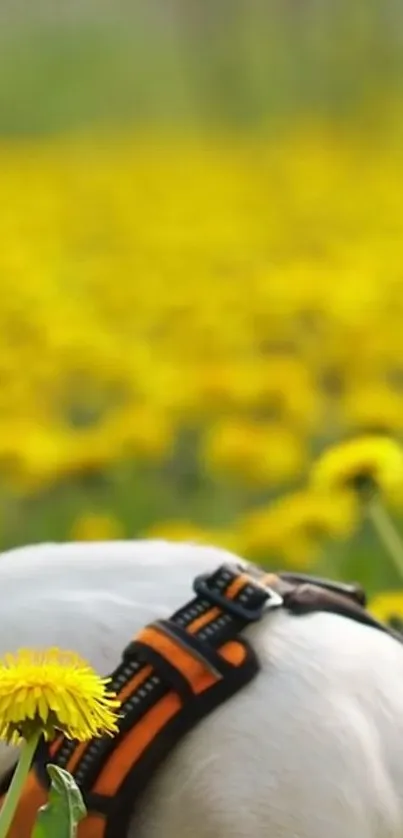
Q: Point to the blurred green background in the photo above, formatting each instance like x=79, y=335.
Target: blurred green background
x=242, y=63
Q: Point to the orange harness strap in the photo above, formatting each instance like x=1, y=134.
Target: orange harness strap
x=172, y=674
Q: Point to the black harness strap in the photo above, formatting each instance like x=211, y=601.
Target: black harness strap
x=222, y=617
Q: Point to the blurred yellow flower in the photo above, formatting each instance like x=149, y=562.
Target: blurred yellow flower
x=366, y=463
x=143, y=432
x=54, y=691
x=294, y=528
x=96, y=527
x=289, y=391
x=90, y=452
x=280, y=386
x=259, y=534
x=262, y=453
x=33, y=456
x=373, y=408
x=332, y=514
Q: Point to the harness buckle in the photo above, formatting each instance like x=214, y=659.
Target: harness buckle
x=266, y=596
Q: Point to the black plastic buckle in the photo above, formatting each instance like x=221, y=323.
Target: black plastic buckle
x=268, y=599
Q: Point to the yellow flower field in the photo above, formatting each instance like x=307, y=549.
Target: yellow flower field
x=185, y=326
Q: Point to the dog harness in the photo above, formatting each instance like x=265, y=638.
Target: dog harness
x=171, y=675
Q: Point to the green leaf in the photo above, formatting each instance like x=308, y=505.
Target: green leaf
x=60, y=817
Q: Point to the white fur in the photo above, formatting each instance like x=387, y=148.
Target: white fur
x=312, y=748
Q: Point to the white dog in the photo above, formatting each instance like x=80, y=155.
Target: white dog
x=311, y=748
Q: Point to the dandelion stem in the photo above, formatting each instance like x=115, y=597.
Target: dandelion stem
x=20, y=774
x=387, y=534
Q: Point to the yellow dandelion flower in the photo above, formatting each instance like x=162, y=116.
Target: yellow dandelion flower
x=262, y=536
x=259, y=534
x=33, y=456
x=327, y=514
x=366, y=464
x=144, y=432
x=53, y=691
x=373, y=408
x=388, y=608
x=266, y=453
x=293, y=528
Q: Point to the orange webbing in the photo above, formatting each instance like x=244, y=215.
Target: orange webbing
x=193, y=669
x=133, y=745
x=136, y=741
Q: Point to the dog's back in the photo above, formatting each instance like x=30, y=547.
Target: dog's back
x=312, y=747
